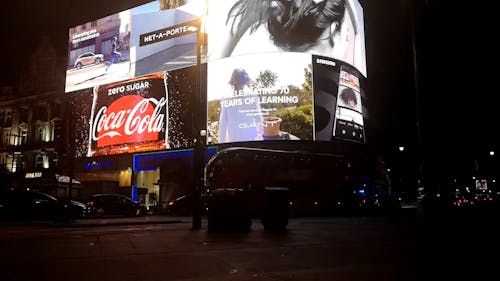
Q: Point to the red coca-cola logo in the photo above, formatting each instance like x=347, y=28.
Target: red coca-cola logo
x=130, y=119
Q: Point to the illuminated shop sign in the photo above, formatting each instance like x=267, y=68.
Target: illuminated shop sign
x=33, y=175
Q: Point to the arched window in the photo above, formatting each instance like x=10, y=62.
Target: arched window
x=39, y=162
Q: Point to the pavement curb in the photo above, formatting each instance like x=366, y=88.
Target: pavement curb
x=89, y=224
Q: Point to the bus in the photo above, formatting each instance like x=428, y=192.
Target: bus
x=318, y=183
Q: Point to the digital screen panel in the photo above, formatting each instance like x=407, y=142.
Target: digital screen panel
x=333, y=28
x=260, y=97
x=317, y=46
x=148, y=113
x=349, y=123
x=132, y=43
x=338, y=102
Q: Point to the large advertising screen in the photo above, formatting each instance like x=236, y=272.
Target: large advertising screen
x=275, y=70
x=149, y=113
x=260, y=97
x=285, y=70
x=331, y=28
x=136, y=42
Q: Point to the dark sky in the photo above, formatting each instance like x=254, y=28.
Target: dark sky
x=456, y=87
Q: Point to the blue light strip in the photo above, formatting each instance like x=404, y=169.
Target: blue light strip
x=134, y=193
x=151, y=161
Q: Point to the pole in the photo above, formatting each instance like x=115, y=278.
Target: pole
x=419, y=161
x=199, y=145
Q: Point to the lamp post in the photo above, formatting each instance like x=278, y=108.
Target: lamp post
x=199, y=141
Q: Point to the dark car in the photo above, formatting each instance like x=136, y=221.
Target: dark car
x=81, y=210
x=29, y=205
x=183, y=206
x=114, y=204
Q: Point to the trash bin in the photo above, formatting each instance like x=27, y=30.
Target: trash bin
x=228, y=210
x=275, y=209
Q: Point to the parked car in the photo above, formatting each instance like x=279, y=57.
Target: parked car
x=88, y=59
x=26, y=205
x=183, y=206
x=82, y=210
x=114, y=204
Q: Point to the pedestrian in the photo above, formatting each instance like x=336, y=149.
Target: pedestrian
x=115, y=55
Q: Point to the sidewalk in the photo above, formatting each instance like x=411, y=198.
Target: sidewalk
x=107, y=221
x=148, y=219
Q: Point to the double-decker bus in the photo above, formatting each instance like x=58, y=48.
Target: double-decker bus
x=317, y=182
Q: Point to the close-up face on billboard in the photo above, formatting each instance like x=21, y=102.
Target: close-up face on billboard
x=149, y=113
x=330, y=28
x=136, y=42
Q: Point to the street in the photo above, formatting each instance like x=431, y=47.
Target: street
x=346, y=248
x=89, y=76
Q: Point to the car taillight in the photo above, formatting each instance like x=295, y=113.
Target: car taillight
x=90, y=203
x=171, y=203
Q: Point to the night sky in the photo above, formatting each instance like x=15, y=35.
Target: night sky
x=456, y=87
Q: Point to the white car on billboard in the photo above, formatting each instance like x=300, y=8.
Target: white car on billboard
x=88, y=59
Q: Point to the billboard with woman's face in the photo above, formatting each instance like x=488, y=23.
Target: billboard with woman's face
x=315, y=49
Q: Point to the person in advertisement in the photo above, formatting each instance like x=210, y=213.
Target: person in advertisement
x=349, y=98
x=239, y=121
x=115, y=55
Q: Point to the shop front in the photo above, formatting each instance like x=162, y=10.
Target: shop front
x=51, y=183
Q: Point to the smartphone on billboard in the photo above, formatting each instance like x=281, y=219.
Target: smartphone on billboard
x=349, y=123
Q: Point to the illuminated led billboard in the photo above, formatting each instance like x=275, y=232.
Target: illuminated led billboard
x=260, y=97
x=275, y=70
x=285, y=70
x=132, y=43
x=149, y=113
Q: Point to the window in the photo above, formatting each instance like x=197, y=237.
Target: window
x=39, y=162
x=8, y=118
x=17, y=162
x=23, y=134
x=11, y=163
x=6, y=137
x=40, y=133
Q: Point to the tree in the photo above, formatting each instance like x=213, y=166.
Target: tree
x=171, y=4
x=307, y=85
x=297, y=121
x=266, y=79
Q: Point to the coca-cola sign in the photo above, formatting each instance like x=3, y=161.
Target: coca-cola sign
x=129, y=116
x=146, y=114
x=129, y=119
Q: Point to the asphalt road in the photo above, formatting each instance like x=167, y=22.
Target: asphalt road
x=311, y=249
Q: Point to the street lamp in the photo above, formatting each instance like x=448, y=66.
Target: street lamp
x=401, y=148
x=492, y=153
x=199, y=142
